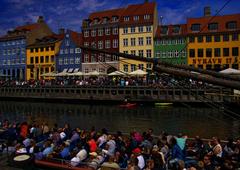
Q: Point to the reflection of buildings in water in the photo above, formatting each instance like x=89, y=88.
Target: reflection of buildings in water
x=172, y=119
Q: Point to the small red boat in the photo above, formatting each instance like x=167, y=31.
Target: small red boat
x=128, y=105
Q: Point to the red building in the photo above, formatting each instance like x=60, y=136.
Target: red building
x=101, y=31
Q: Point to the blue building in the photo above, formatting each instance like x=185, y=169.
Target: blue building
x=13, y=48
x=69, y=58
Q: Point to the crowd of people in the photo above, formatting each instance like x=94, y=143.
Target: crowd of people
x=161, y=82
x=133, y=151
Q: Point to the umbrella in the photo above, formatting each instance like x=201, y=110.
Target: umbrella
x=94, y=73
x=62, y=74
x=230, y=71
x=76, y=74
x=52, y=74
x=138, y=72
x=117, y=73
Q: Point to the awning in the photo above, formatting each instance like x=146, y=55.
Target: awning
x=76, y=70
x=70, y=70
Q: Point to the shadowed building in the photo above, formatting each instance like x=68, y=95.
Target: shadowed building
x=13, y=48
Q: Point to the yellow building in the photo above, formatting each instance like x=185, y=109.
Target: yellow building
x=214, y=45
x=41, y=56
x=138, y=25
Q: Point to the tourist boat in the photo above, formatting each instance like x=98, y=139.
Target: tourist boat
x=163, y=104
x=128, y=105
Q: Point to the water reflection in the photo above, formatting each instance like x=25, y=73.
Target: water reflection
x=205, y=122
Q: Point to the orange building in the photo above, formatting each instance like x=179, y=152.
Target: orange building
x=213, y=43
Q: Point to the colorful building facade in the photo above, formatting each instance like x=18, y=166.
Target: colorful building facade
x=170, y=44
x=101, y=31
x=136, y=33
x=214, y=45
x=69, y=58
x=13, y=48
x=41, y=56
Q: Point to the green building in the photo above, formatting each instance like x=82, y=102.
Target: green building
x=170, y=44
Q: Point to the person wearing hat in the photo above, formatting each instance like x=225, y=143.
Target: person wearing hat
x=138, y=154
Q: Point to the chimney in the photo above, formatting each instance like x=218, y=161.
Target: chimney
x=207, y=11
x=61, y=31
x=40, y=19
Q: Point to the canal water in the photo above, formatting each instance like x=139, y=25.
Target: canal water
x=203, y=121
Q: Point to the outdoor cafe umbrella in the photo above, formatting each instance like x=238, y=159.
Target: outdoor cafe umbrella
x=117, y=73
x=138, y=72
x=62, y=74
x=230, y=71
x=79, y=73
x=94, y=73
x=51, y=74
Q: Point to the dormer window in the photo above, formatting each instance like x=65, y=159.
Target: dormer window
x=231, y=25
x=95, y=21
x=146, y=17
x=136, y=18
x=67, y=35
x=164, y=30
x=105, y=20
x=176, y=29
x=126, y=18
x=213, y=26
x=195, y=27
x=114, y=19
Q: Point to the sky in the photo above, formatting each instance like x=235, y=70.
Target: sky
x=69, y=14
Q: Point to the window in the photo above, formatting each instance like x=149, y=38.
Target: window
x=125, y=42
x=65, y=61
x=71, y=51
x=71, y=60
x=86, y=70
x=217, y=52
x=125, y=67
x=95, y=21
x=225, y=37
x=132, y=29
x=47, y=48
x=125, y=52
x=149, y=66
x=115, y=31
x=67, y=42
x=107, y=31
x=225, y=52
x=126, y=18
x=36, y=60
x=93, y=45
x=140, y=41
x=77, y=61
x=191, y=52
x=86, y=58
x=208, y=52
x=200, y=52
x=114, y=19
x=213, y=26
x=133, y=52
x=93, y=33
x=191, y=39
x=78, y=50
x=31, y=60
x=52, y=58
x=61, y=51
x=41, y=59
x=107, y=44
x=140, y=53
x=235, y=51
x=217, y=38
x=149, y=53
x=47, y=59
x=136, y=18
x=133, y=42
x=125, y=30
x=140, y=29
x=100, y=32
x=86, y=33
x=60, y=62
x=195, y=27
x=105, y=20
x=208, y=38
x=148, y=40
x=200, y=38
x=235, y=37
x=100, y=44
x=52, y=48
x=176, y=29
x=140, y=66
x=133, y=67
x=148, y=28
x=115, y=43
x=36, y=50
x=146, y=17
x=86, y=44
x=41, y=49
x=231, y=25
x=66, y=51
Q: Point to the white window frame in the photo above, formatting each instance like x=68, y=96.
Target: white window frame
x=107, y=44
x=115, y=43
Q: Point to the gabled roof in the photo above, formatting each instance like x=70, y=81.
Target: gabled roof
x=140, y=9
x=108, y=13
x=76, y=37
x=170, y=30
x=28, y=27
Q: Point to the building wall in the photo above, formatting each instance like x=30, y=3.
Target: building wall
x=36, y=68
x=130, y=48
x=214, y=62
x=171, y=50
x=13, y=58
x=70, y=55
